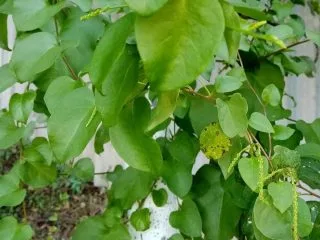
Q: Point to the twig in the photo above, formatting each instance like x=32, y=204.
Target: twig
x=284, y=49
x=194, y=93
x=308, y=191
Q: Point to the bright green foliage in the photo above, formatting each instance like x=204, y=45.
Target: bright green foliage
x=213, y=142
x=176, y=48
x=187, y=219
x=160, y=80
x=140, y=219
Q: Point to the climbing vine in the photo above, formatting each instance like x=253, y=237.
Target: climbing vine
x=164, y=80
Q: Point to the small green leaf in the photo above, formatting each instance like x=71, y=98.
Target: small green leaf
x=102, y=137
x=309, y=150
x=57, y=90
x=3, y=32
x=271, y=95
x=304, y=219
x=314, y=36
x=85, y=5
x=165, y=107
x=227, y=83
x=176, y=51
x=10, y=229
x=310, y=131
x=281, y=31
x=132, y=144
x=140, y=219
x=260, y=122
x=250, y=172
x=28, y=18
x=42, y=50
x=9, y=133
x=282, y=132
x=72, y=125
x=130, y=186
x=83, y=170
x=21, y=105
x=233, y=115
x=7, y=77
x=160, y=197
x=146, y=7
x=281, y=194
x=10, y=192
x=187, y=219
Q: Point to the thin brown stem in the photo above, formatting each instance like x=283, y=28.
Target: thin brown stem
x=284, y=49
x=194, y=93
x=308, y=191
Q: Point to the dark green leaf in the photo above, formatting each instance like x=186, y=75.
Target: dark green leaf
x=3, y=32
x=187, y=219
x=310, y=131
x=102, y=137
x=176, y=51
x=83, y=170
x=160, y=197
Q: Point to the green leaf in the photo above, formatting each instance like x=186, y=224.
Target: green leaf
x=130, y=186
x=254, y=11
x=59, y=89
x=314, y=36
x=7, y=77
x=10, y=192
x=233, y=115
x=282, y=132
x=21, y=105
x=176, y=236
x=281, y=31
x=220, y=215
x=99, y=229
x=81, y=37
x=315, y=217
x=132, y=144
x=260, y=122
x=164, y=109
x=146, y=7
x=281, y=194
x=309, y=150
x=28, y=18
x=226, y=83
x=113, y=84
x=36, y=168
x=309, y=172
x=83, y=170
x=42, y=50
x=140, y=219
x=310, y=131
x=102, y=137
x=187, y=219
x=72, y=125
x=270, y=222
x=85, y=5
x=304, y=219
x=250, y=173
x=271, y=95
x=9, y=133
x=284, y=157
x=176, y=51
x=160, y=197
x=10, y=229
x=3, y=32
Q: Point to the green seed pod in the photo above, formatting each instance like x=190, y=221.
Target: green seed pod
x=213, y=142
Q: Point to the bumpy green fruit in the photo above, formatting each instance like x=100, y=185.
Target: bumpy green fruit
x=213, y=142
x=285, y=158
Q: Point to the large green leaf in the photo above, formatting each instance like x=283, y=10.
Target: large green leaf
x=130, y=186
x=187, y=219
x=176, y=48
x=146, y=7
x=28, y=18
x=260, y=122
x=220, y=216
x=165, y=107
x=59, y=89
x=281, y=194
x=42, y=50
x=132, y=144
x=73, y=124
x=3, y=32
x=10, y=229
x=310, y=131
x=111, y=57
x=309, y=150
x=10, y=192
x=81, y=37
x=7, y=77
x=233, y=115
x=21, y=105
x=9, y=133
